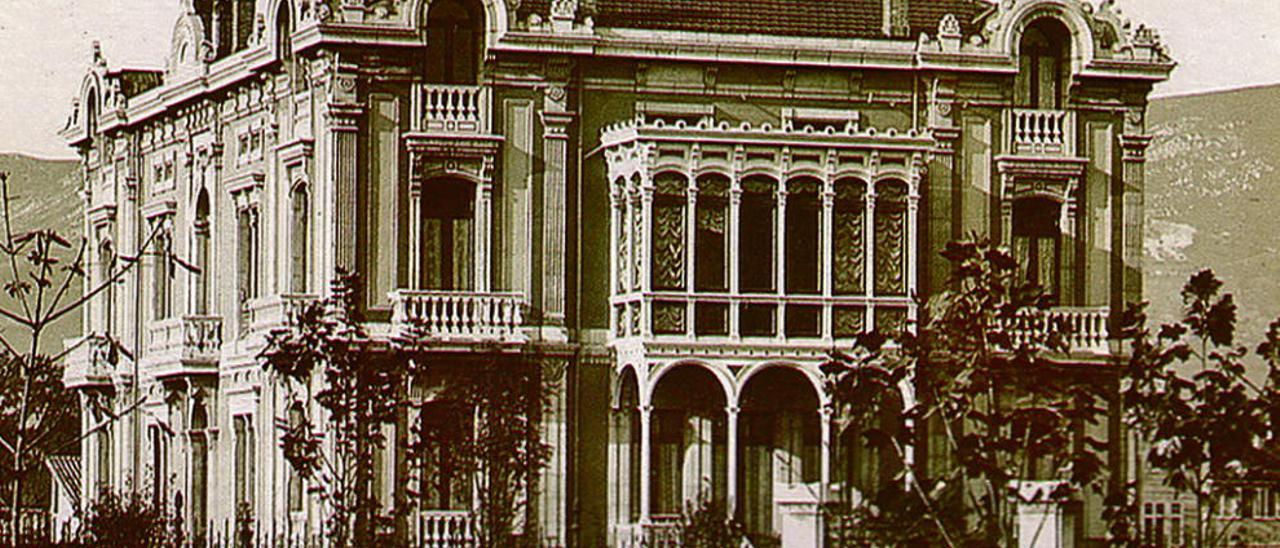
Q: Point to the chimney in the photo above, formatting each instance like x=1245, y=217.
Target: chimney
x=894, y=18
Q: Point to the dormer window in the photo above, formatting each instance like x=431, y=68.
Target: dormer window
x=1044, y=65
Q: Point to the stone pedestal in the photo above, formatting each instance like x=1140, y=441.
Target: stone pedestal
x=800, y=515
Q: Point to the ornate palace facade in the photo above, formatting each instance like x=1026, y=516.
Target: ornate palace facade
x=675, y=207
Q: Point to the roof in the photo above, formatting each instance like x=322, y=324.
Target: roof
x=813, y=18
x=66, y=472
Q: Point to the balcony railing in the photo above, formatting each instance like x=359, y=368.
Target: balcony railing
x=758, y=316
x=192, y=339
x=456, y=315
x=446, y=528
x=663, y=532
x=1041, y=132
x=89, y=362
x=272, y=313
x=1086, y=327
x=443, y=108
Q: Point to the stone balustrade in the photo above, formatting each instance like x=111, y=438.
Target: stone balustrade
x=457, y=315
x=452, y=109
x=87, y=361
x=446, y=528
x=1086, y=328
x=1041, y=132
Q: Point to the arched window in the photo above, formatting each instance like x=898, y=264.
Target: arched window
x=804, y=220
x=848, y=248
x=299, y=239
x=453, y=41
x=1044, y=67
x=711, y=237
x=447, y=234
x=756, y=238
x=106, y=269
x=667, y=266
x=200, y=237
x=199, y=470
x=284, y=32
x=891, y=238
x=711, y=253
x=91, y=114
x=295, y=479
x=1036, y=242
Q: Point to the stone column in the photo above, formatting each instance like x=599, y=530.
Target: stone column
x=690, y=266
x=824, y=415
x=913, y=236
x=415, y=230
x=644, y=243
x=826, y=238
x=731, y=460
x=869, y=251
x=555, y=143
x=735, y=208
x=483, y=229
x=646, y=412
x=780, y=260
x=617, y=256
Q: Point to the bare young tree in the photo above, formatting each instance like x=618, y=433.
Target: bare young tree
x=39, y=268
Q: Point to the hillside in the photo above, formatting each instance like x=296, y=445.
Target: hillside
x=44, y=194
x=1213, y=200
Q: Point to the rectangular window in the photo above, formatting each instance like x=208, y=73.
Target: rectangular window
x=804, y=219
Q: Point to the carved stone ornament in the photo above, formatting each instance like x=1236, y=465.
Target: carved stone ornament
x=949, y=27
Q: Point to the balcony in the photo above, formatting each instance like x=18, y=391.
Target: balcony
x=276, y=312
x=1041, y=132
x=1087, y=330
x=88, y=363
x=190, y=344
x=456, y=316
x=441, y=528
x=451, y=109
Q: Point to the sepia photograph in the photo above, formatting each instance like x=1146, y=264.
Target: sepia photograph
x=640, y=273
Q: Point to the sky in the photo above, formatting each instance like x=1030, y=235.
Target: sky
x=45, y=48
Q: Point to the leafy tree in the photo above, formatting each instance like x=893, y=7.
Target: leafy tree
x=501, y=451
x=358, y=394
x=39, y=270
x=129, y=519
x=1204, y=422
x=364, y=386
x=1000, y=410
x=704, y=525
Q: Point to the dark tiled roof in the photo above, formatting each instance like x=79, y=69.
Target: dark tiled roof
x=66, y=471
x=817, y=18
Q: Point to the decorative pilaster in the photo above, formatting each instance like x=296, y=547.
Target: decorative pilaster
x=344, y=111
x=555, y=123
x=1134, y=147
x=824, y=418
x=735, y=209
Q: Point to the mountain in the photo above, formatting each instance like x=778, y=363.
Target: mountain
x=45, y=194
x=1213, y=201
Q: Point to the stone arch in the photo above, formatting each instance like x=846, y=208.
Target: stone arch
x=811, y=374
x=1065, y=12
x=720, y=373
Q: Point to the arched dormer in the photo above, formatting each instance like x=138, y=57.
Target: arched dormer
x=1044, y=65
x=283, y=26
x=188, y=48
x=493, y=20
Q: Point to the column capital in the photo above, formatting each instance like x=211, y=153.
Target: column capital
x=1135, y=147
x=732, y=410
x=555, y=125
